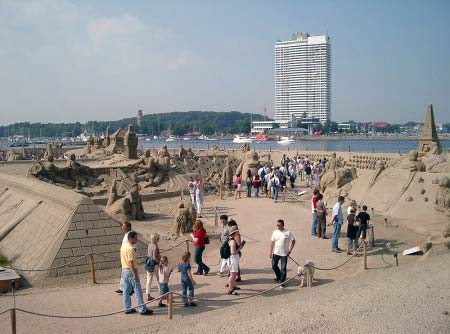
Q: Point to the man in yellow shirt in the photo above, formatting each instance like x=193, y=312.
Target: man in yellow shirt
x=130, y=276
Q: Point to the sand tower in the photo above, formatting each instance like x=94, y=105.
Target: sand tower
x=429, y=136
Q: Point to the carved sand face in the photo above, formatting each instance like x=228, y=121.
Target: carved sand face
x=147, y=153
x=413, y=155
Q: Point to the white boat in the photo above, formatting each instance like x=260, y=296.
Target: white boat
x=240, y=139
x=171, y=138
x=286, y=140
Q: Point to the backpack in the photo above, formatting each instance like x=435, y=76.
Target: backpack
x=225, y=251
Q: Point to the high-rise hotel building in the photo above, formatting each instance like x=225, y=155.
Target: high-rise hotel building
x=303, y=78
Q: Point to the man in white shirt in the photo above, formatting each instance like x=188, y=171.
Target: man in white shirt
x=337, y=220
x=281, y=245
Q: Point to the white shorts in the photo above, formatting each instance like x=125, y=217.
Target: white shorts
x=239, y=187
x=233, y=263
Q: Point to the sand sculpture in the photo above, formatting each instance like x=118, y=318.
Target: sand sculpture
x=227, y=175
x=130, y=143
x=128, y=207
x=335, y=175
x=74, y=175
x=184, y=221
x=250, y=162
x=429, y=135
x=442, y=197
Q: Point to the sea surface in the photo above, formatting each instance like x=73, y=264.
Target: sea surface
x=338, y=145
x=401, y=146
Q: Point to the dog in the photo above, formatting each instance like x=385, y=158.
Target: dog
x=302, y=272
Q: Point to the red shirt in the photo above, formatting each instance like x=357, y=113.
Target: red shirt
x=200, y=234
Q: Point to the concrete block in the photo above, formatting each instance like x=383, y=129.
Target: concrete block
x=77, y=234
x=99, y=259
x=91, y=216
x=96, y=232
x=64, y=253
x=108, y=239
x=72, y=227
x=94, y=208
x=113, y=231
x=71, y=243
x=78, y=263
x=77, y=218
x=115, y=223
x=58, y=262
x=80, y=251
x=115, y=247
x=106, y=265
x=101, y=223
x=103, y=215
x=67, y=271
x=83, y=208
x=90, y=242
x=84, y=269
x=101, y=249
x=84, y=225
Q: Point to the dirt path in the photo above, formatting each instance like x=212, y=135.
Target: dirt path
x=256, y=218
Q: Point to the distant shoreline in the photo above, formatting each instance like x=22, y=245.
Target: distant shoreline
x=314, y=138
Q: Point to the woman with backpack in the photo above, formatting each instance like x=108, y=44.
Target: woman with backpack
x=248, y=182
x=256, y=184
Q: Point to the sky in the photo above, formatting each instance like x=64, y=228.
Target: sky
x=65, y=61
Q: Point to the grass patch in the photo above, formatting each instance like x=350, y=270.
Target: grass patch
x=4, y=261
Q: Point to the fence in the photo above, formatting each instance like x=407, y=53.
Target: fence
x=306, y=272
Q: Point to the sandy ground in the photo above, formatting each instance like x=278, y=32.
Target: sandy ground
x=385, y=298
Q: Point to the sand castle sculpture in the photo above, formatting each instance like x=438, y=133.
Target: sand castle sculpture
x=74, y=175
x=227, y=175
x=127, y=207
x=153, y=170
x=184, y=221
x=250, y=162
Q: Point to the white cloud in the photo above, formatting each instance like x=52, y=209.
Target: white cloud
x=122, y=26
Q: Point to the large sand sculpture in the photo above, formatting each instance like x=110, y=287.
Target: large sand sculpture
x=45, y=226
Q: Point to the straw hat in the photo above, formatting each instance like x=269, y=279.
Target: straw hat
x=233, y=229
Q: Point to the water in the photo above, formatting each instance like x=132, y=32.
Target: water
x=338, y=145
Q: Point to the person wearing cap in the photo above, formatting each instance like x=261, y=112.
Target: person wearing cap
x=281, y=245
x=337, y=220
x=233, y=260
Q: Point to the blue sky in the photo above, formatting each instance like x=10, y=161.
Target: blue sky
x=64, y=60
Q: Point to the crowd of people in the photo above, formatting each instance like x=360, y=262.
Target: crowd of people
x=270, y=180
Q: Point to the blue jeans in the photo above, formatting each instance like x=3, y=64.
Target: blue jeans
x=257, y=192
x=249, y=189
x=275, y=192
x=127, y=284
x=186, y=284
x=314, y=224
x=336, y=233
x=280, y=274
x=199, y=261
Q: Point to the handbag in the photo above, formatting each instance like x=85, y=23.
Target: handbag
x=150, y=264
x=206, y=240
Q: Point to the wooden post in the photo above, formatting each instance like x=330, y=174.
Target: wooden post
x=372, y=236
x=365, y=255
x=170, y=306
x=216, y=216
x=92, y=264
x=13, y=321
x=187, y=246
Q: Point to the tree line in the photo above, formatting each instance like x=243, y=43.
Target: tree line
x=179, y=123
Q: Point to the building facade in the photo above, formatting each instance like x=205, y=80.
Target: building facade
x=303, y=78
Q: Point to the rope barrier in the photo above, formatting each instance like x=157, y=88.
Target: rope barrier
x=146, y=303
x=83, y=316
x=51, y=268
